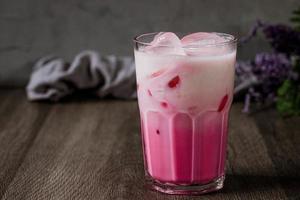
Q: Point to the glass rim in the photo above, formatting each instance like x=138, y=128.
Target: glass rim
x=232, y=40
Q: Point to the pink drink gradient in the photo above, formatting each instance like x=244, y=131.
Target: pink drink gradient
x=184, y=96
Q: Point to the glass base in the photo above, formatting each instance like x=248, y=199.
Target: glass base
x=193, y=189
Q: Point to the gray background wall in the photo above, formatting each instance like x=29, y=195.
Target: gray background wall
x=30, y=29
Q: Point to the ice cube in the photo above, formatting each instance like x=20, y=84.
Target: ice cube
x=201, y=38
x=165, y=43
x=203, y=43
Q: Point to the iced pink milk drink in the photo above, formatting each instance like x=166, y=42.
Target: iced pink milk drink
x=185, y=88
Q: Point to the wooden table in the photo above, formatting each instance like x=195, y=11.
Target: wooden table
x=90, y=149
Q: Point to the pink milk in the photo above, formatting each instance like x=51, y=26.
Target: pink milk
x=184, y=98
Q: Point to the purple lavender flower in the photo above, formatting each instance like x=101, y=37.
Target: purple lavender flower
x=263, y=76
x=273, y=76
x=282, y=38
x=253, y=32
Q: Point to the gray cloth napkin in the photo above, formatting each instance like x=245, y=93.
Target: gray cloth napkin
x=53, y=78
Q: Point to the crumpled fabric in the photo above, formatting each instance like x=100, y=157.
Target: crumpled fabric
x=53, y=78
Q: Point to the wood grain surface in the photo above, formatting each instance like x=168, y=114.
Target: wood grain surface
x=91, y=149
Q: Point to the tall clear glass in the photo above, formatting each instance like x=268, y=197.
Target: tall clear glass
x=184, y=102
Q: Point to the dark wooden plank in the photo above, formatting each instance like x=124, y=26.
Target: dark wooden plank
x=91, y=150
x=282, y=137
x=251, y=172
x=79, y=154
x=19, y=125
